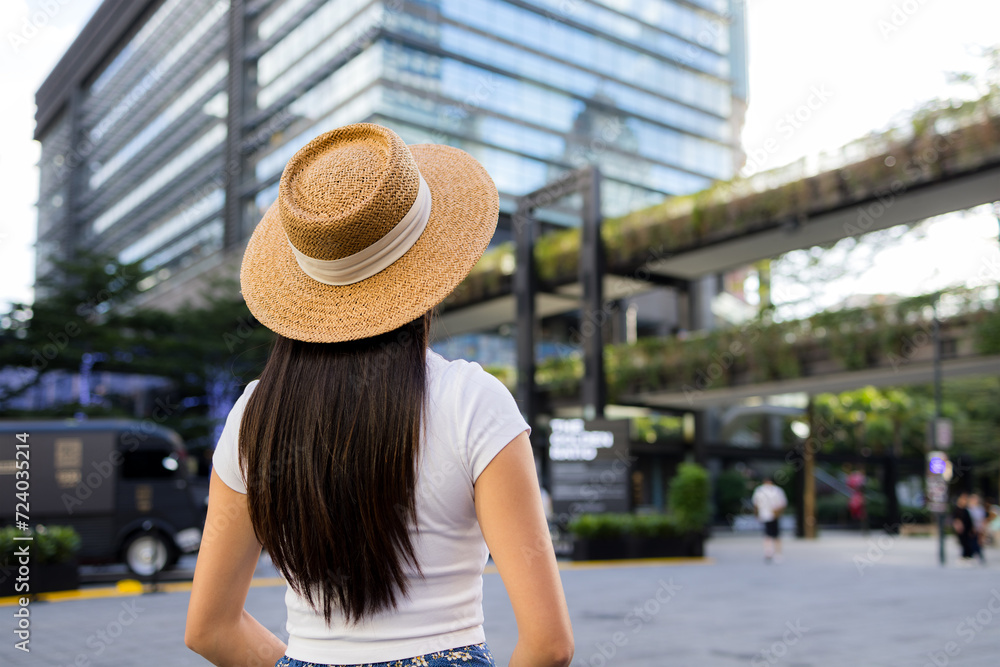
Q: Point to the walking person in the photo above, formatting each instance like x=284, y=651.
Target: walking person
x=963, y=527
x=769, y=501
x=978, y=515
x=378, y=475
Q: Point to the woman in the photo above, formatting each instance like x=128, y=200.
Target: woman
x=374, y=472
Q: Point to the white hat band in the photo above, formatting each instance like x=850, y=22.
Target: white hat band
x=376, y=257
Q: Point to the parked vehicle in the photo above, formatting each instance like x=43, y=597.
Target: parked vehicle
x=124, y=485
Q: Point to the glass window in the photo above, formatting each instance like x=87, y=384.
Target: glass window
x=155, y=236
x=697, y=26
x=582, y=83
x=279, y=17
x=537, y=32
x=203, y=241
x=314, y=42
x=636, y=32
x=485, y=90
x=191, y=38
x=209, y=80
x=185, y=159
x=151, y=27
x=149, y=463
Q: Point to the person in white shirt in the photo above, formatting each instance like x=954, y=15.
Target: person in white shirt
x=769, y=501
x=378, y=475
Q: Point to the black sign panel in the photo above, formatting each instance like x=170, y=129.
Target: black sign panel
x=590, y=466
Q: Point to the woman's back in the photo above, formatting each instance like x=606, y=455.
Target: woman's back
x=470, y=416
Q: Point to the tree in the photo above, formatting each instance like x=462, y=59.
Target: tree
x=86, y=318
x=884, y=420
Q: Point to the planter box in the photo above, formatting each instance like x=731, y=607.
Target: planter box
x=44, y=578
x=607, y=548
x=632, y=546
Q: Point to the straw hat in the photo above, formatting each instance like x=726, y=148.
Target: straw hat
x=366, y=235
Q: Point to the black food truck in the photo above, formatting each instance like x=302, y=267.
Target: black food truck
x=125, y=486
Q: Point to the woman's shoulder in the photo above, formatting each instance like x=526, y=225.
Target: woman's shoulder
x=247, y=391
x=461, y=375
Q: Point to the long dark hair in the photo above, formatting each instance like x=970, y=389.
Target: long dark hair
x=328, y=447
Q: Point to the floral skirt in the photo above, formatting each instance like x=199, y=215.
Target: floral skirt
x=467, y=656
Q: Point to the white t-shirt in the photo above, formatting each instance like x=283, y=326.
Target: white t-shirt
x=768, y=498
x=470, y=417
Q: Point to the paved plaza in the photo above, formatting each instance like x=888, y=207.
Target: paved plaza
x=843, y=600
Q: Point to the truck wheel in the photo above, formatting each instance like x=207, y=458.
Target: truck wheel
x=146, y=553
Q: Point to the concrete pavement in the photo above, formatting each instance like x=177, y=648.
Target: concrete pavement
x=841, y=600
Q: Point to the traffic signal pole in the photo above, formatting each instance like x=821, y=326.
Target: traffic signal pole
x=937, y=416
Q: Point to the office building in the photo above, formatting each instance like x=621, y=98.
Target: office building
x=165, y=126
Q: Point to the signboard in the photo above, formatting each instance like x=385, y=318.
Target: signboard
x=590, y=466
x=937, y=472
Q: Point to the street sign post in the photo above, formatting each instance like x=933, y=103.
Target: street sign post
x=937, y=473
x=941, y=437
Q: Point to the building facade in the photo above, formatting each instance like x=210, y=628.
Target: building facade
x=165, y=127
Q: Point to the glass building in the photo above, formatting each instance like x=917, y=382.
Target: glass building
x=165, y=127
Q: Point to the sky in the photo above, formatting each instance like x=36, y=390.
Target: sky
x=859, y=63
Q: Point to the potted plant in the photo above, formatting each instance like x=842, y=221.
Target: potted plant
x=691, y=506
x=657, y=536
x=600, y=536
x=52, y=554
x=681, y=532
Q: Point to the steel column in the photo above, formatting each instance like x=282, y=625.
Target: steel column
x=236, y=89
x=76, y=161
x=592, y=312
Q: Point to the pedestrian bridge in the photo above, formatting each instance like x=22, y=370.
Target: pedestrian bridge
x=947, y=160
x=884, y=344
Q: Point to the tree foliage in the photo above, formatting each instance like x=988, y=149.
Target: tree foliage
x=897, y=417
x=86, y=315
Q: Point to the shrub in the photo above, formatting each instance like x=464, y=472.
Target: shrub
x=655, y=525
x=730, y=490
x=689, y=499
x=600, y=525
x=51, y=544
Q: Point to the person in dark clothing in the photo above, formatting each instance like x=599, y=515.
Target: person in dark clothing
x=964, y=529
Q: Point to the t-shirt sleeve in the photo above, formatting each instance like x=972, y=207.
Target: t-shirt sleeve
x=226, y=459
x=494, y=419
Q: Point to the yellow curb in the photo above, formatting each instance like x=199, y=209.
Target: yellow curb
x=632, y=562
x=124, y=588
x=131, y=587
